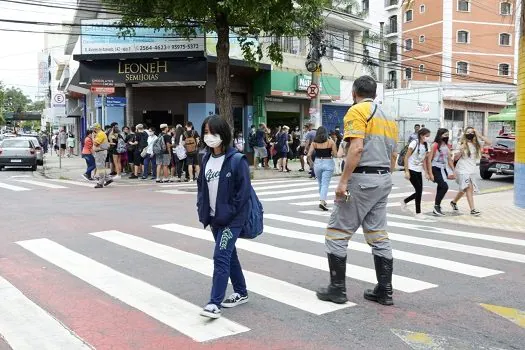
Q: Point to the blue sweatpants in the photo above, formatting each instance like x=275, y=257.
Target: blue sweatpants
x=226, y=264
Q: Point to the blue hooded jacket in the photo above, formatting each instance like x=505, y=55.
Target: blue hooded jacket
x=231, y=209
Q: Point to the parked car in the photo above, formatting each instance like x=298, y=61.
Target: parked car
x=499, y=158
x=17, y=152
x=38, y=148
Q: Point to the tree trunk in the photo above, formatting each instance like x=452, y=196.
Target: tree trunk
x=222, y=90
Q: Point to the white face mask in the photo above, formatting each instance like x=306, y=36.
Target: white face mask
x=212, y=141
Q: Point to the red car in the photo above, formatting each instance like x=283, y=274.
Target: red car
x=499, y=158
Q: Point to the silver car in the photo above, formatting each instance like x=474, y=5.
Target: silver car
x=38, y=148
x=17, y=152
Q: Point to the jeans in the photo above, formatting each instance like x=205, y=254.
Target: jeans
x=179, y=166
x=442, y=187
x=147, y=161
x=324, y=168
x=416, y=179
x=90, y=162
x=226, y=264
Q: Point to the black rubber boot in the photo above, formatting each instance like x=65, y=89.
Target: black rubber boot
x=382, y=293
x=336, y=290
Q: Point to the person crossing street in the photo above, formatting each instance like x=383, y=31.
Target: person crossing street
x=362, y=195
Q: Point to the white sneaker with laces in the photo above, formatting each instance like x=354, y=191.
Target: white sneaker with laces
x=211, y=311
x=404, y=206
x=420, y=216
x=234, y=300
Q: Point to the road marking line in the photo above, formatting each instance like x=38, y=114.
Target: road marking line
x=444, y=264
x=13, y=187
x=449, y=232
x=269, y=287
x=514, y=315
x=402, y=217
x=293, y=190
x=43, y=184
x=405, y=284
x=314, y=195
x=26, y=326
x=276, y=181
x=295, y=184
x=162, y=306
x=175, y=192
x=463, y=248
x=76, y=183
x=331, y=202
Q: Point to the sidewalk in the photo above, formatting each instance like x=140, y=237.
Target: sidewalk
x=497, y=212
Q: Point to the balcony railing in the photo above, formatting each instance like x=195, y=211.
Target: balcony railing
x=391, y=3
x=391, y=28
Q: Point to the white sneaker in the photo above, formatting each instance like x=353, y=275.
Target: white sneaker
x=404, y=206
x=211, y=311
x=234, y=300
x=420, y=216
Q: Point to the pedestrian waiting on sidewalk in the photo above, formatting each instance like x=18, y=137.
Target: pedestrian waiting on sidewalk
x=87, y=154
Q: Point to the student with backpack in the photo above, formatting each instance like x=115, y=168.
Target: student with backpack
x=442, y=167
x=191, y=144
x=417, y=160
x=227, y=203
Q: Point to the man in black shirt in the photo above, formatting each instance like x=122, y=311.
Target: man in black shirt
x=191, y=144
x=140, y=142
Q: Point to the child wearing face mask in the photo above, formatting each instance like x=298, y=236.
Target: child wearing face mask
x=239, y=142
x=442, y=167
x=417, y=160
x=223, y=192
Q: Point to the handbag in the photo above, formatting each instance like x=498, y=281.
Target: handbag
x=180, y=151
x=144, y=152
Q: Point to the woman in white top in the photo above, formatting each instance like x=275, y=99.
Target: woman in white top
x=467, y=167
x=417, y=160
x=442, y=167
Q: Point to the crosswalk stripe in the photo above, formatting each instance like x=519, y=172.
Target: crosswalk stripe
x=401, y=217
x=175, y=192
x=164, y=307
x=42, y=184
x=76, y=183
x=331, y=202
x=449, y=232
x=26, y=326
x=314, y=195
x=293, y=190
x=13, y=187
x=457, y=247
x=275, y=289
x=444, y=264
x=405, y=284
x=299, y=183
x=276, y=181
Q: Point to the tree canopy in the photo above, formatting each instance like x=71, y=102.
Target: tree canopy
x=14, y=100
x=249, y=20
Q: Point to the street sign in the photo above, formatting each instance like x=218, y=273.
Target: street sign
x=103, y=82
x=101, y=90
x=312, y=91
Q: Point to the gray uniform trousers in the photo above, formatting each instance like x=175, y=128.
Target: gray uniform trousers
x=366, y=207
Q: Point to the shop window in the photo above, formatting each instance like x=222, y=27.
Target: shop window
x=504, y=39
x=463, y=37
x=504, y=69
x=462, y=68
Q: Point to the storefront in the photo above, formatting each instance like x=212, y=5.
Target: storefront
x=280, y=97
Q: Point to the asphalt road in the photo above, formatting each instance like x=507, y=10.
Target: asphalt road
x=127, y=267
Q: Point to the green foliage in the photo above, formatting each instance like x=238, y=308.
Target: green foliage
x=15, y=100
x=250, y=19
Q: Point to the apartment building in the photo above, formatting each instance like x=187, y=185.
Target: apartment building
x=458, y=41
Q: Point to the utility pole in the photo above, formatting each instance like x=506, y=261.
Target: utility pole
x=313, y=65
x=519, y=167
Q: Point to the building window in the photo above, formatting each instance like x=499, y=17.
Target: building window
x=504, y=69
x=505, y=8
x=462, y=68
x=421, y=38
x=392, y=52
x=422, y=9
x=392, y=80
x=408, y=45
x=392, y=25
x=408, y=73
x=463, y=37
x=504, y=39
x=365, y=6
x=409, y=16
x=421, y=68
x=464, y=5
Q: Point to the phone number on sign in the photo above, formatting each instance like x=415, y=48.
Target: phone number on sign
x=167, y=47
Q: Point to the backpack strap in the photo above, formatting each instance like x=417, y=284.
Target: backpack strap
x=373, y=113
x=236, y=160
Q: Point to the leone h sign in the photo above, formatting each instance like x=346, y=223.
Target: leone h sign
x=145, y=71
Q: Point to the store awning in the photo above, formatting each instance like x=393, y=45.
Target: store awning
x=506, y=115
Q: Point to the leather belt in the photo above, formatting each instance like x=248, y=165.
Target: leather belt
x=371, y=170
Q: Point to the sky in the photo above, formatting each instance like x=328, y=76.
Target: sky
x=19, y=51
